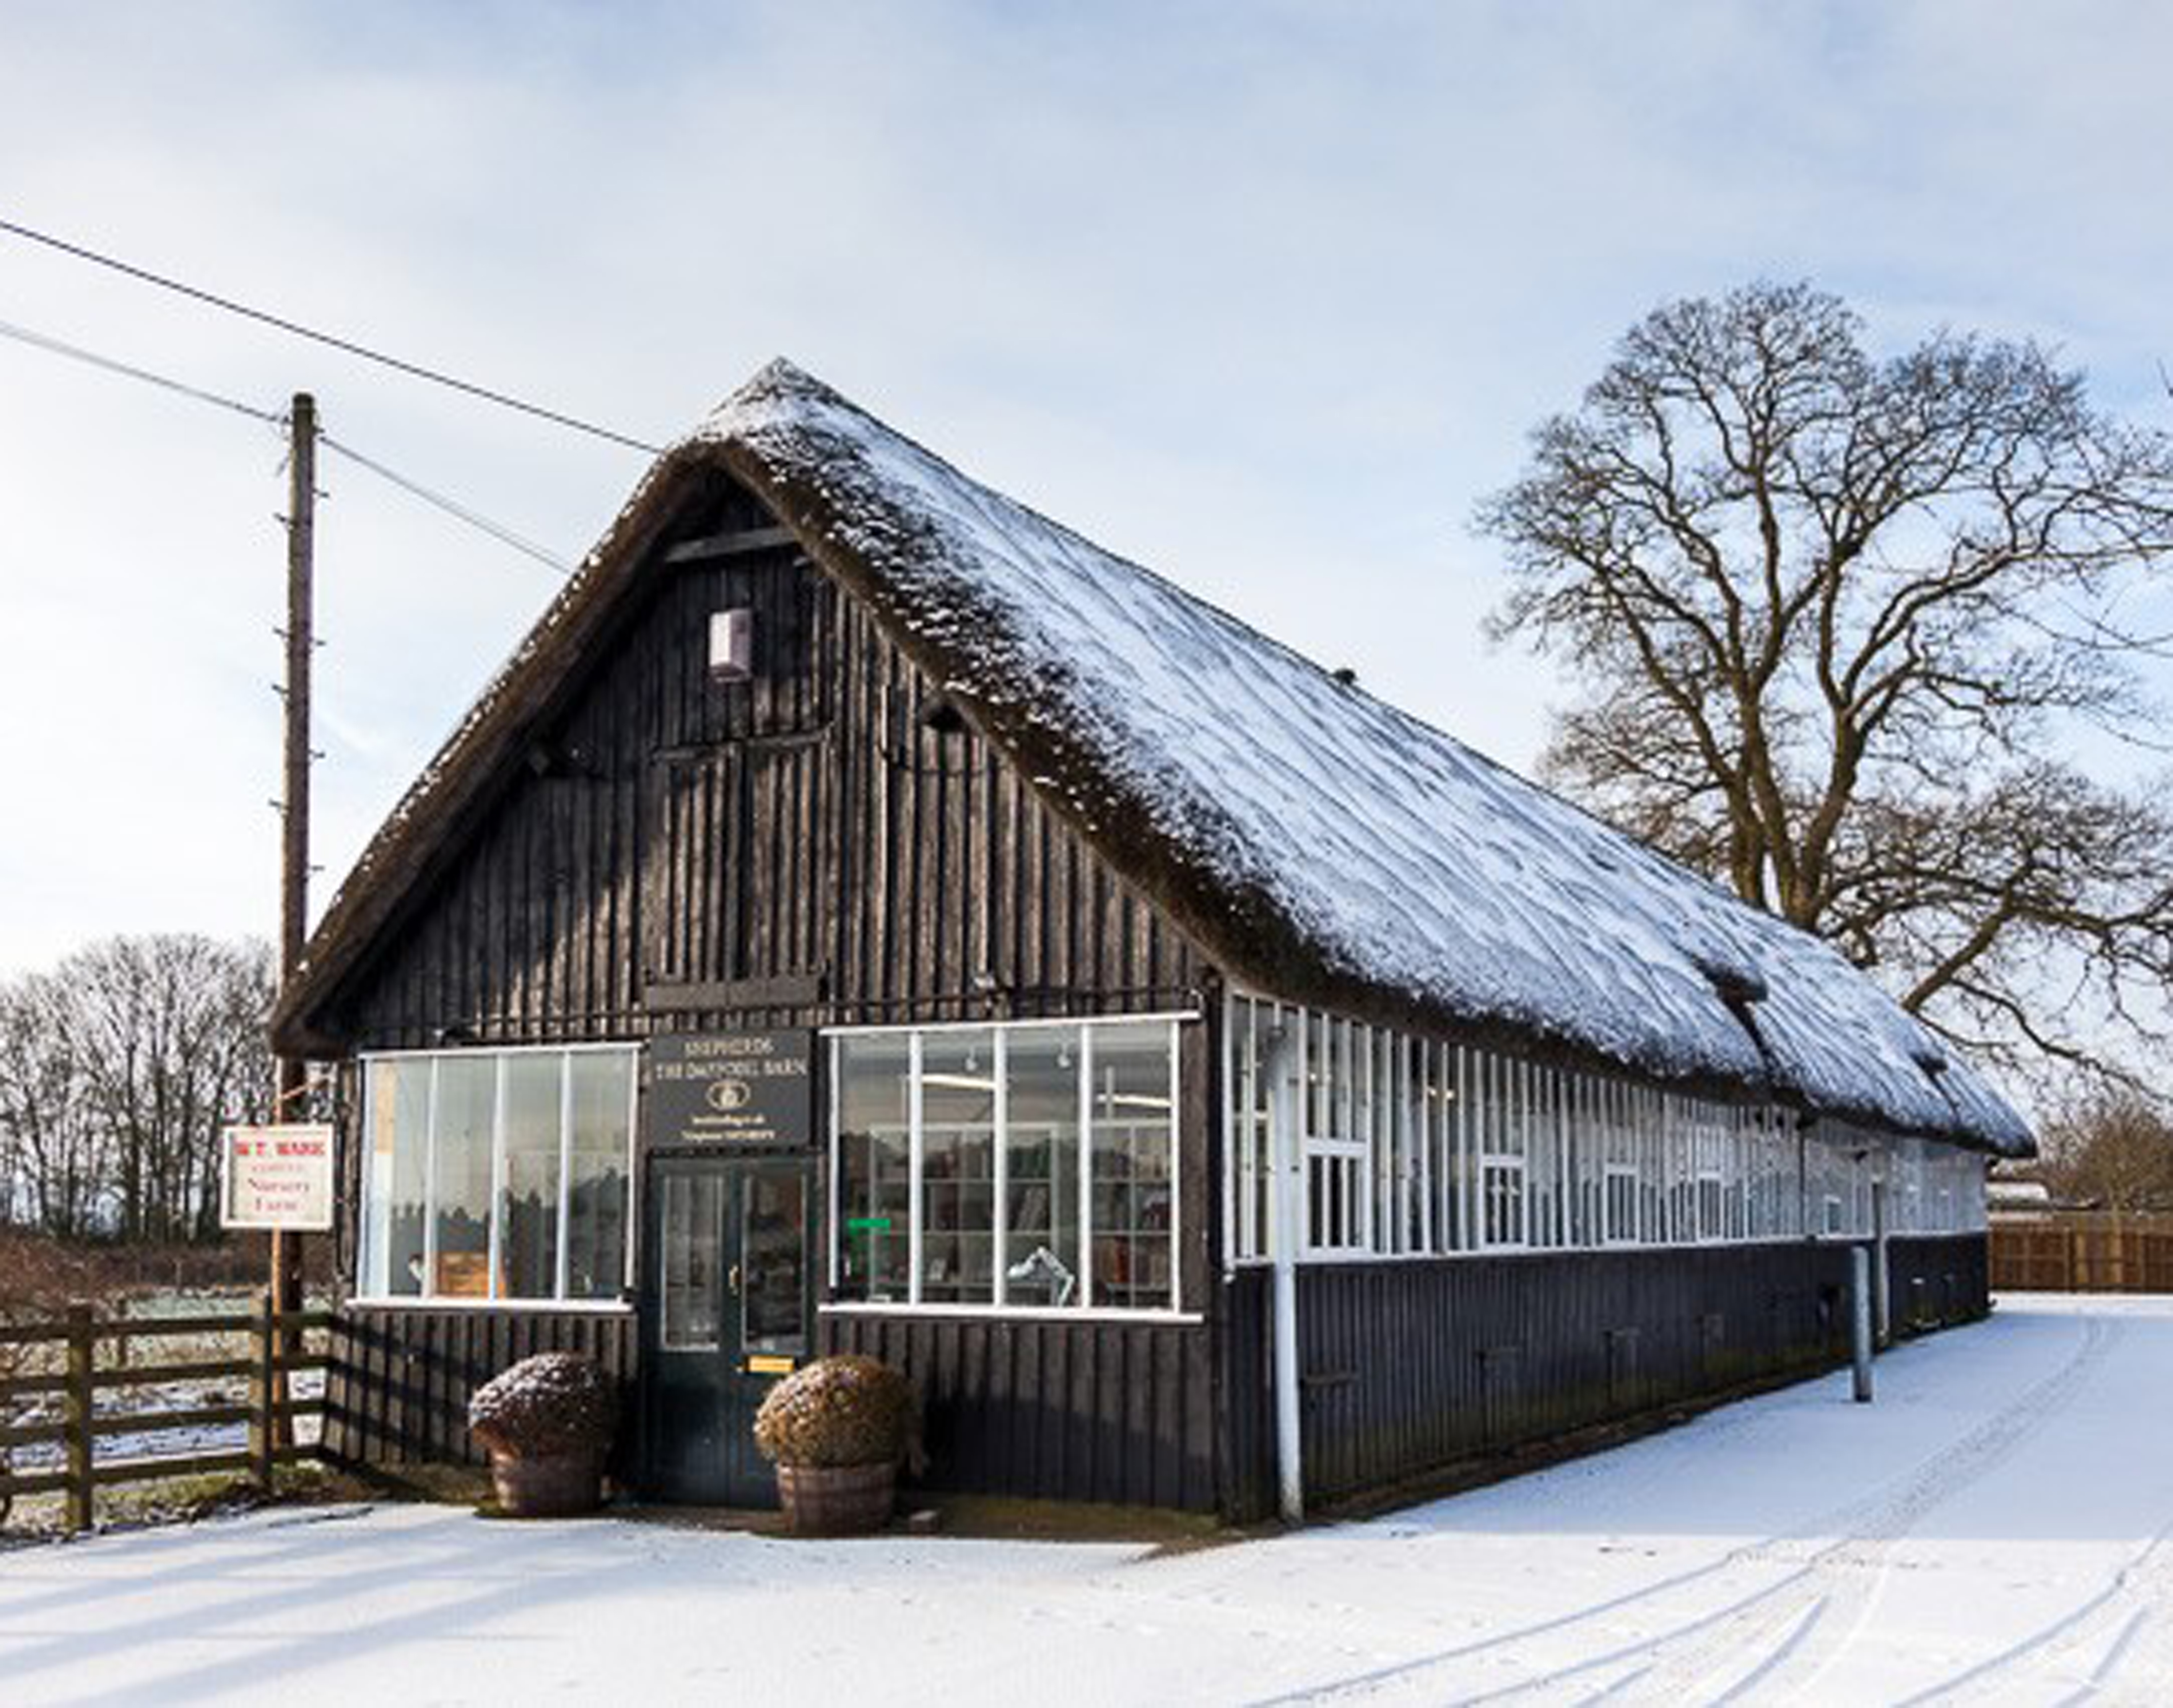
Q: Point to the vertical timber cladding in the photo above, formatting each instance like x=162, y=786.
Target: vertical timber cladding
x=819, y=845
x=668, y=856
x=1407, y=1367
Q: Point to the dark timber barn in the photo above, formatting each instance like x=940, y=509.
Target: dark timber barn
x=865, y=915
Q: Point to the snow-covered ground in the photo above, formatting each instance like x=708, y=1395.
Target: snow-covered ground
x=1991, y=1530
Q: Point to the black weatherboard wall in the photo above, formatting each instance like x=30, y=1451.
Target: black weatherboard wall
x=925, y=804
x=1406, y=1367
x=821, y=844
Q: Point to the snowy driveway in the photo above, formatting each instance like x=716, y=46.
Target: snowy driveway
x=1990, y=1531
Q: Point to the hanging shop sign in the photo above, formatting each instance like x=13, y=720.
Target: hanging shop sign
x=735, y=1087
x=277, y=1178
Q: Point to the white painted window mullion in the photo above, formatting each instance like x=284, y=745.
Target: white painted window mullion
x=914, y=1192
x=1000, y=1214
x=1086, y=1166
x=562, y=1265
x=428, y=1284
x=1176, y=1153
x=1236, y=1131
x=837, y=1167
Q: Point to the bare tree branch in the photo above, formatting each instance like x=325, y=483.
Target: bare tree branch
x=1835, y=621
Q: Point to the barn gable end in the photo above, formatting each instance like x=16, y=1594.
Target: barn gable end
x=828, y=841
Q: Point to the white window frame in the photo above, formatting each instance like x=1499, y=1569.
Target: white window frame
x=1420, y=1135
x=1089, y=1307
x=376, y=1290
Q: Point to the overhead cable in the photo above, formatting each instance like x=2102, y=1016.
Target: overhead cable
x=413, y=369
x=59, y=347
x=452, y=507
x=129, y=370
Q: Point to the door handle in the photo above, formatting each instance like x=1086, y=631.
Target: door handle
x=732, y=1280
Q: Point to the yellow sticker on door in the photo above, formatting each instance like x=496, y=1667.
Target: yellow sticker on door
x=768, y=1364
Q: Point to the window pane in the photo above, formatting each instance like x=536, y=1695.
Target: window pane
x=687, y=1260
x=873, y=1249
x=399, y=1105
x=602, y=1094
x=461, y=1192
x=1130, y=1108
x=528, y=1206
x=774, y=1262
x=1041, y=1122
x=957, y=1148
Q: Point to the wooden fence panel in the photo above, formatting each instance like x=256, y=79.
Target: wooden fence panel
x=74, y=1340
x=2083, y=1252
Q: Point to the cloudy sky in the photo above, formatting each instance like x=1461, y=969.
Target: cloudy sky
x=1265, y=295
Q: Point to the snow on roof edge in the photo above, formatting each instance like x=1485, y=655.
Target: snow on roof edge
x=926, y=527
x=1067, y=626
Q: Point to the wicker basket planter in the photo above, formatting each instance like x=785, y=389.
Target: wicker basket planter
x=837, y=1499
x=547, y=1424
x=557, y=1486
x=836, y=1430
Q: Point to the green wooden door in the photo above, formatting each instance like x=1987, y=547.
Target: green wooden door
x=726, y=1312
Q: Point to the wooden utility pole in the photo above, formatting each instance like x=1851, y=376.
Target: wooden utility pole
x=286, y=1292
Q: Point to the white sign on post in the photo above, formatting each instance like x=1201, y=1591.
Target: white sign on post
x=277, y=1178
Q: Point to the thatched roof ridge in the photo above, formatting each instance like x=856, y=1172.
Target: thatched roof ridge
x=1315, y=842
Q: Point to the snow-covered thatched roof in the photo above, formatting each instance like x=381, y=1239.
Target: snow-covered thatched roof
x=1317, y=842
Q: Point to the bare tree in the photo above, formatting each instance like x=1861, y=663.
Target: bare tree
x=1838, y=623
x=118, y=1071
x=50, y=1154
x=2114, y=1151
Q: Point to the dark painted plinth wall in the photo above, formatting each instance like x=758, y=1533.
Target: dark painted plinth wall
x=1407, y=1367
x=1075, y=1411
x=1933, y=1282
x=1410, y=1367
x=397, y=1392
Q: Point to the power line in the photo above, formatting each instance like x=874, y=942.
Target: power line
x=451, y=507
x=413, y=369
x=58, y=347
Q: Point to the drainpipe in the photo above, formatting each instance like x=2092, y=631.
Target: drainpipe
x=1290, y=1186
x=1882, y=1319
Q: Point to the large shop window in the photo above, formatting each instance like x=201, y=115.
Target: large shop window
x=497, y=1174
x=1030, y=1166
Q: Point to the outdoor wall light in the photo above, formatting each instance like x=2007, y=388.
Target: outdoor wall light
x=731, y=645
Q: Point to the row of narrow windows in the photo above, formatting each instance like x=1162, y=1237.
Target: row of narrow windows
x=1409, y=1146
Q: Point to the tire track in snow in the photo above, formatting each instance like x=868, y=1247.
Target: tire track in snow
x=1836, y=1583
x=2136, y=1603
x=1843, y=1580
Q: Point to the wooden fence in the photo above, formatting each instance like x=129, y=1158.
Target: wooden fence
x=2083, y=1252
x=67, y=1352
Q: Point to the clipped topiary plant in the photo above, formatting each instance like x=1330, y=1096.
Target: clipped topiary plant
x=547, y=1423
x=845, y=1411
x=836, y=1430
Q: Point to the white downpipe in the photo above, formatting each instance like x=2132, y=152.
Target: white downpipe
x=1882, y=1305
x=1290, y=1187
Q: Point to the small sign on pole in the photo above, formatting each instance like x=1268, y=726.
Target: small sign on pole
x=278, y=1177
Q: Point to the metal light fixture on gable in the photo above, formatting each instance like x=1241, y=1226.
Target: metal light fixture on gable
x=731, y=645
